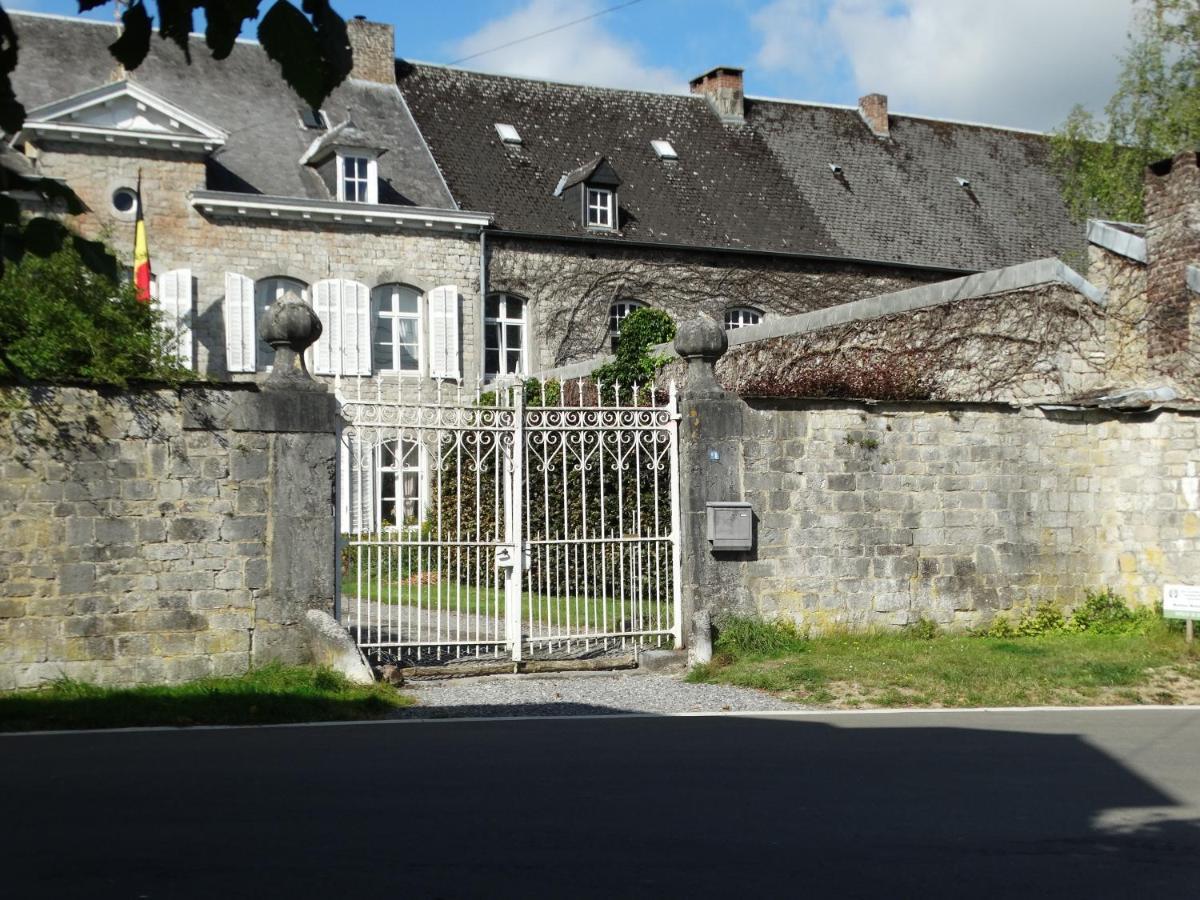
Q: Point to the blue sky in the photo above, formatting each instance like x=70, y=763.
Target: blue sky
x=1022, y=63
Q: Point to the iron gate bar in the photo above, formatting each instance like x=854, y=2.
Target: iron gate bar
x=431, y=584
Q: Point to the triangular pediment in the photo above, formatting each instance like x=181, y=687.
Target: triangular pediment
x=124, y=112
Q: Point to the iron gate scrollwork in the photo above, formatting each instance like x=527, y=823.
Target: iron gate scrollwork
x=511, y=523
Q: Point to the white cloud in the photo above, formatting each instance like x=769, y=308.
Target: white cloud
x=586, y=52
x=1020, y=62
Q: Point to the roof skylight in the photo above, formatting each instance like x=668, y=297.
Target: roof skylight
x=664, y=150
x=508, y=134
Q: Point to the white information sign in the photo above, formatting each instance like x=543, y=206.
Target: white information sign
x=1181, y=601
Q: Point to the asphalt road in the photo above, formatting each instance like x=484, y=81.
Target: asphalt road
x=979, y=804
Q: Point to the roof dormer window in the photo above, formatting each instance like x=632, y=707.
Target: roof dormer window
x=313, y=119
x=592, y=190
x=600, y=207
x=357, y=179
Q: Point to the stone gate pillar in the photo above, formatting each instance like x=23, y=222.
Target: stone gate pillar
x=286, y=432
x=710, y=438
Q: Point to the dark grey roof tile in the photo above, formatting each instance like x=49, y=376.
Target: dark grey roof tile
x=242, y=94
x=762, y=185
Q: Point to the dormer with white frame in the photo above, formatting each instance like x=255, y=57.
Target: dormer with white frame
x=348, y=162
x=592, y=189
x=125, y=114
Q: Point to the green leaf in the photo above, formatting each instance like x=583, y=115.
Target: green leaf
x=131, y=47
x=51, y=190
x=289, y=39
x=175, y=23
x=96, y=256
x=224, y=20
x=44, y=236
x=10, y=211
x=12, y=113
x=336, y=55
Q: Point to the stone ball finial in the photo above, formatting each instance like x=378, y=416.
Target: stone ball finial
x=290, y=326
x=701, y=337
x=701, y=342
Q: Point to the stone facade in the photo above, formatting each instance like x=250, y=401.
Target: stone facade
x=570, y=287
x=180, y=236
x=882, y=514
x=158, y=536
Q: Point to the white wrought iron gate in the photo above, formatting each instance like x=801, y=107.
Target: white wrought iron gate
x=513, y=523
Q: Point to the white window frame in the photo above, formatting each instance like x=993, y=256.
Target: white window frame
x=737, y=316
x=276, y=286
x=599, y=203
x=399, y=497
x=388, y=294
x=616, y=315
x=502, y=323
x=366, y=185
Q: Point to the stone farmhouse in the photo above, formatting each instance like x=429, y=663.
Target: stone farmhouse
x=452, y=228
x=1033, y=436
x=458, y=226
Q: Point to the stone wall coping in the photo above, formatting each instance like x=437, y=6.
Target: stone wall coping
x=286, y=411
x=984, y=284
x=1116, y=240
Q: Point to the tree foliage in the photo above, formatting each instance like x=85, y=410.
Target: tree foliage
x=641, y=330
x=1154, y=113
x=60, y=320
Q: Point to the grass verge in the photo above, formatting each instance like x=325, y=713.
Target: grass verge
x=1154, y=665
x=271, y=694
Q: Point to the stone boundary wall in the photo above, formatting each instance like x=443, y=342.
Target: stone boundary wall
x=879, y=515
x=151, y=536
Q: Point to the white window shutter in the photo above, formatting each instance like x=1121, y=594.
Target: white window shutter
x=175, y=300
x=443, y=306
x=364, y=461
x=345, y=479
x=356, y=328
x=240, y=337
x=325, y=354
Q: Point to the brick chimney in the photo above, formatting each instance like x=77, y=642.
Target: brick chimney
x=1172, y=199
x=873, y=109
x=374, y=47
x=722, y=88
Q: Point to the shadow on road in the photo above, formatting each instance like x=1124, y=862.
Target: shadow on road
x=630, y=807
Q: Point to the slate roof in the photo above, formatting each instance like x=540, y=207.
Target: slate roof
x=242, y=94
x=764, y=185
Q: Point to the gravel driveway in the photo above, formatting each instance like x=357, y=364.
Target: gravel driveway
x=578, y=694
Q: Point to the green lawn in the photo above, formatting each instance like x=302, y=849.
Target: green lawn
x=271, y=694
x=889, y=669
x=487, y=600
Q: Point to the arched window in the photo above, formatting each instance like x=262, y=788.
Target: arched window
x=504, y=336
x=399, y=483
x=741, y=316
x=616, y=315
x=397, y=340
x=266, y=292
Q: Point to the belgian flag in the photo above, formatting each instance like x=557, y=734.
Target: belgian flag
x=141, y=252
